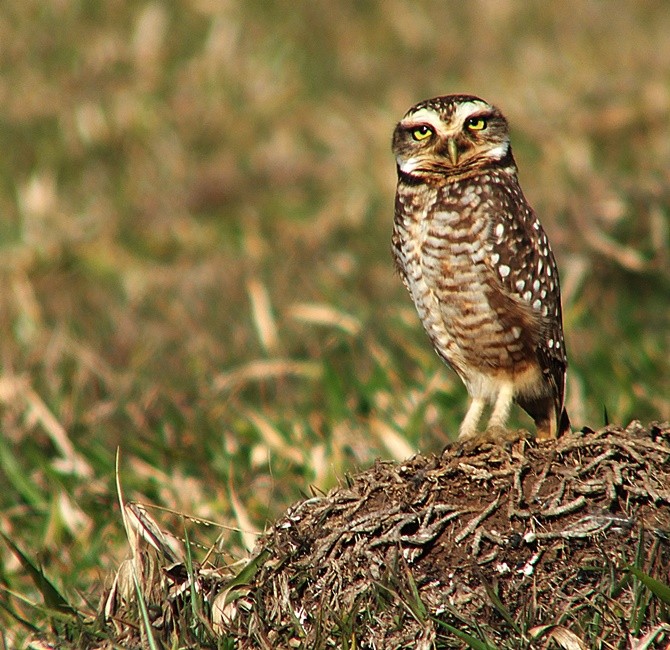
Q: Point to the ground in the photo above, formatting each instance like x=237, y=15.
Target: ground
x=508, y=547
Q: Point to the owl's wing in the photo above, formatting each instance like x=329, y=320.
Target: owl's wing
x=523, y=262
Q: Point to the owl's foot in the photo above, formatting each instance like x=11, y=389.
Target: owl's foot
x=471, y=442
x=496, y=432
x=494, y=435
x=503, y=436
x=476, y=439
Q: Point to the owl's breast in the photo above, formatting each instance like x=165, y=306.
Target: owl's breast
x=441, y=251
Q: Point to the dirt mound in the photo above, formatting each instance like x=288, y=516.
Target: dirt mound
x=505, y=547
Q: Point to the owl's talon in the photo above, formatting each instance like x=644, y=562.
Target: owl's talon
x=471, y=443
x=497, y=433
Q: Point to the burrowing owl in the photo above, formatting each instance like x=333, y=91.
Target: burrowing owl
x=477, y=262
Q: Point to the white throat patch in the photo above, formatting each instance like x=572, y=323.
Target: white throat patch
x=409, y=165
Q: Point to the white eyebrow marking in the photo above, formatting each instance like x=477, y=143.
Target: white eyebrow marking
x=466, y=109
x=424, y=116
x=456, y=121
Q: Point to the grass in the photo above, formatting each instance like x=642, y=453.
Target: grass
x=196, y=207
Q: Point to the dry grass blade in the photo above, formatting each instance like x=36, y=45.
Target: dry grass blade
x=620, y=254
x=274, y=440
x=266, y=370
x=147, y=528
x=13, y=389
x=139, y=579
x=158, y=593
x=652, y=638
x=393, y=441
x=261, y=309
x=564, y=638
x=246, y=529
x=321, y=314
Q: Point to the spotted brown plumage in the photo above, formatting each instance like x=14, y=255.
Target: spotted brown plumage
x=477, y=262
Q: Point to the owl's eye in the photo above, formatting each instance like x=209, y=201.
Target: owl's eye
x=476, y=123
x=422, y=132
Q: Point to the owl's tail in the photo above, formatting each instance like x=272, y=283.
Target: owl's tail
x=551, y=418
x=563, y=423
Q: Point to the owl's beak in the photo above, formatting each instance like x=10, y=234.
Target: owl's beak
x=452, y=149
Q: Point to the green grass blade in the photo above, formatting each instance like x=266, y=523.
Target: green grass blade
x=658, y=588
x=417, y=606
x=52, y=597
x=19, y=478
x=195, y=599
x=146, y=621
x=502, y=610
x=473, y=642
x=19, y=619
x=249, y=570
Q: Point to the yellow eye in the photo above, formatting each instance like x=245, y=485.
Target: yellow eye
x=422, y=133
x=476, y=124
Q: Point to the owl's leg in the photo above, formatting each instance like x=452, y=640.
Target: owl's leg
x=468, y=427
x=501, y=409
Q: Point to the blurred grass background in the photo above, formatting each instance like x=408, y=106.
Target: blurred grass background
x=196, y=202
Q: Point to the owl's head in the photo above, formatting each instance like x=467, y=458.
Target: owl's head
x=450, y=136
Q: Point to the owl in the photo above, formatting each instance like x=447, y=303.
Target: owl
x=478, y=265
